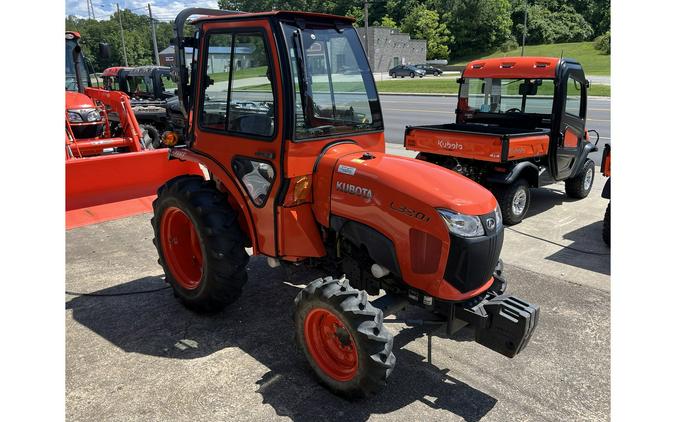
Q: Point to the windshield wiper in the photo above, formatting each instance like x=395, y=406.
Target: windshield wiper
x=302, y=74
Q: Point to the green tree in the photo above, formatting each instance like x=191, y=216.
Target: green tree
x=478, y=25
x=425, y=24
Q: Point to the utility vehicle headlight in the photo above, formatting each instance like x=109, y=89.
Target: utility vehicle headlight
x=74, y=117
x=461, y=224
x=93, y=116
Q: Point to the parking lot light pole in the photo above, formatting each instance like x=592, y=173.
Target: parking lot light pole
x=124, y=48
x=522, y=48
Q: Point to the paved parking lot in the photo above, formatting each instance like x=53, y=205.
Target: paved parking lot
x=144, y=357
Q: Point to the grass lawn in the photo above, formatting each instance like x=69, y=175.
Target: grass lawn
x=593, y=61
x=449, y=86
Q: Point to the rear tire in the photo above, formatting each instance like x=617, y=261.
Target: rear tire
x=580, y=185
x=342, y=337
x=200, y=243
x=150, y=137
x=393, y=75
x=606, y=231
x=514, y=200
x=412, y=75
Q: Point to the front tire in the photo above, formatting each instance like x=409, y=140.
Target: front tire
x=200, y=244
x=342, y=337
x=514, y=201
x=579, y=186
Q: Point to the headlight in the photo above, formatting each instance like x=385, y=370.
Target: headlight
x=498, y=217
x=93, y=116
x=74, y=117
x=461, y=224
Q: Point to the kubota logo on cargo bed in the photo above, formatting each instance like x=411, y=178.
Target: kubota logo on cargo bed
x=354, y=190
x=449, y=145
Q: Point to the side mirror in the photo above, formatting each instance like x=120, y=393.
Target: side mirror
x=104, y=50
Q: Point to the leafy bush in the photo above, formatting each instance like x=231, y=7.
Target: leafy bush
x=509, y=45
x=602, y=43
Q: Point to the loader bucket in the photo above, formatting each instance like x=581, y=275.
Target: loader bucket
x=110, y=187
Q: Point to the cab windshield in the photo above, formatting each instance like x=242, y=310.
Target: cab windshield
x=500, y=96
x=71, y=78
x=334, y=88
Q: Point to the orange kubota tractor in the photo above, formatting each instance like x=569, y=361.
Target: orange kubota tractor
x=293, y=140
x=109, y=172
x=520, y=124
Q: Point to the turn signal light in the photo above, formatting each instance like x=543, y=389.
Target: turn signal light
x=169, y=138
x=299, y=192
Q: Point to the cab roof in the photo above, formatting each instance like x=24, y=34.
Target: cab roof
x=113, y=71
x=512, y=67
x=275, y=13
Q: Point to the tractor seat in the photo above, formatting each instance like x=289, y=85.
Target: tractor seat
x=256, y=124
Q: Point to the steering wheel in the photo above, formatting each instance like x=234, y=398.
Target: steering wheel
x=514, y=110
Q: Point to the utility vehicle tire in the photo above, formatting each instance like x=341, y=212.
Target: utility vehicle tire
x=150, y=137
x=342, y=337
x=514, y=200
x=606, y=226
x=200, y=243
x=393, y=75
x=580, y=185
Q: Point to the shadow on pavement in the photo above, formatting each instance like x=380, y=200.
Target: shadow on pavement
x=260, y=324
x=543, y=199
x=587, y=238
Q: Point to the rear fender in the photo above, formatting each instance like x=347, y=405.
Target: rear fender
x=525, y=169
x=587, y=149
x=226, y=183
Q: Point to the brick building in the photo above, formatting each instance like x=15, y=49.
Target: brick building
x=389, y=47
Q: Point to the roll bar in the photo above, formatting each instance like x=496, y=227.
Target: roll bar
x=179, y=72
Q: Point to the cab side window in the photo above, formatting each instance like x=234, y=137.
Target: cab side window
x=238, y=95
x=573, y=100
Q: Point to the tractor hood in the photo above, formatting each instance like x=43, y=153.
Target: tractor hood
x=390, y=205
x=77, y=100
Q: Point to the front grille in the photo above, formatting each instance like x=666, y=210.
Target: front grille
x=471, y=262
x=87, y=131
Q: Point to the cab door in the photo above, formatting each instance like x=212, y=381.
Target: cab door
x=237, y=119
x=572, y=124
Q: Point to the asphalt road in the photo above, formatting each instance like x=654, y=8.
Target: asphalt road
x=407, y=110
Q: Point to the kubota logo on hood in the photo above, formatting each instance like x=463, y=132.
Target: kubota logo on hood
x=449, y=145
x=354, y=190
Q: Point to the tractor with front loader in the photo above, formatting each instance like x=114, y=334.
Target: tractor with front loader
x=520, y=124
x=293, y=142
x=110, y=173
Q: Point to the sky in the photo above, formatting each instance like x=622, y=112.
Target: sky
x=163, y=10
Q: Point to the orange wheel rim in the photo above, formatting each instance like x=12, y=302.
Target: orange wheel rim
x=331, y=345
x=181, y=247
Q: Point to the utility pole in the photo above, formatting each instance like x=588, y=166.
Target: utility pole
x=88, y=10
x=154, y=36
x=124, y=48
x=365, y=24
x=93, y=15
x=522, y=49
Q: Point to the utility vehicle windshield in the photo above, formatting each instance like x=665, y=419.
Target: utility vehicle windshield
x=497, y=96
x=71, y=78
x=334, y=88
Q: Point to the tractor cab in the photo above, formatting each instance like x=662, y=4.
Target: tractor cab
x=114, y=78
x=530, y=94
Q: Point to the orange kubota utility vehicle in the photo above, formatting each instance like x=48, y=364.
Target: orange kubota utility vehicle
x=520, y=124
x=109, y=174
x=293, y=140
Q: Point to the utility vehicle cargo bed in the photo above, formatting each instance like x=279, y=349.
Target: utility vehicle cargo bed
x=477, y=141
